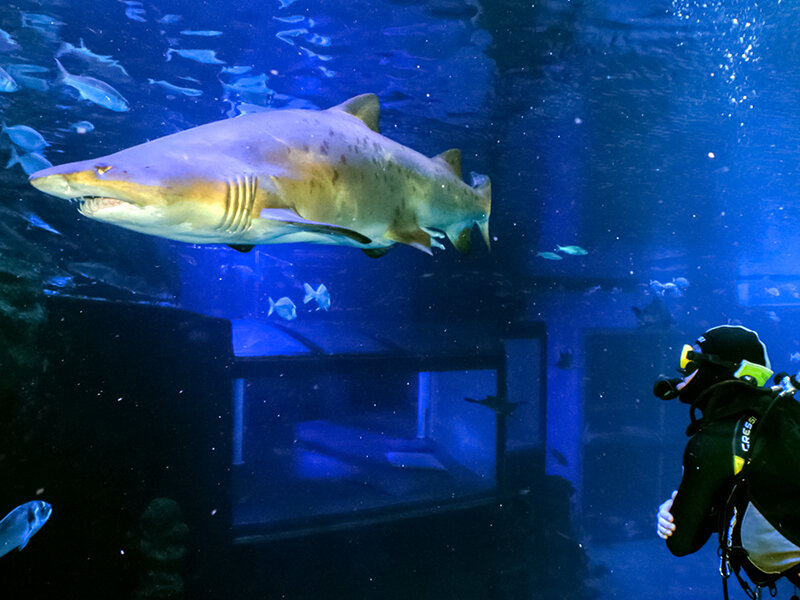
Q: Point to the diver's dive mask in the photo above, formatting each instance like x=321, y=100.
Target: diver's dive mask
x=691, y=359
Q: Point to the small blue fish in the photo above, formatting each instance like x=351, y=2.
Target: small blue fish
x=794, y=357
x=284, y=307
x=665, y=289
x=36, y=221
x=18, y=526
x=94, y=90
x=289, y=34
x=7, y=83
x=549, y=255
x=681, y=282
x=592, y=290
x=21, y=74
x=81, y=127
x=30, y=162
x=60, y=281
x=321, y=295
x=203, y=33
x=25, y=137
x=773, y=291
x=237, y=69
x=168, y=19
x=48, y=26
x=573, y=250
x=208, y=57
x=251, y=85
x=135, y=12
x=773, y=316
x=292, y=19
x=175, y=89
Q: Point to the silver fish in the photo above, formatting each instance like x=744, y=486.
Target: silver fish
x=94, y=90
x=21, y=74
x=203, y=33
x=81, y=127
x=573, y=250
x=82, y=52
x=18, y=526
x=282, y=176
x=284, y=307
x=237, y=69
x=175, y=89
x=251, y=85
x=208, y=57
x=168, y=19
x=321, y=295
x=549, y=255
x=48, y=26
x=288, y=35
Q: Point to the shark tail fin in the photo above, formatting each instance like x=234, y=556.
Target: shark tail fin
x=483, y=187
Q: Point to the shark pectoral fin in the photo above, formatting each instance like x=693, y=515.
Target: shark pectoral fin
x=461, y=240
x=376, y=252
x=241, y=247
x=413, y=237
x=452, y=159
x=364, y=107
x=292, y=219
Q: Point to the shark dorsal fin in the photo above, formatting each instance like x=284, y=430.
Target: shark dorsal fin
x=452, y=158
x=364, y=107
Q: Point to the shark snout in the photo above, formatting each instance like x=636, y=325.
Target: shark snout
x=55, y=184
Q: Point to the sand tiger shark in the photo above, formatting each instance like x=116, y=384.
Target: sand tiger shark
x=294, y=175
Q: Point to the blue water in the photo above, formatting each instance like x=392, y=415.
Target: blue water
x=660, y=137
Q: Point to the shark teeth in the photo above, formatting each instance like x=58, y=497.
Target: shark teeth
x=92, y=204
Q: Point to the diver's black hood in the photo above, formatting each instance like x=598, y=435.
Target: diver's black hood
x=729, y=343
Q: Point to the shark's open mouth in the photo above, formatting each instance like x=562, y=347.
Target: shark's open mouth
x=92, y=204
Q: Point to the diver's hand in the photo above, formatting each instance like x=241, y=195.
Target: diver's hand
x=665, y=525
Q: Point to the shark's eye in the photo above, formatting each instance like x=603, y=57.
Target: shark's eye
x=102, y=169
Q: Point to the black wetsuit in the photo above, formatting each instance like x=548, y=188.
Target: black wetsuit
x=707, y=481
x=708, y=468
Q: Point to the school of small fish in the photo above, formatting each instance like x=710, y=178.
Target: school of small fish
x=243, y=90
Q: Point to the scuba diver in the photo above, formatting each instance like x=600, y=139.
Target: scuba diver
x=741, y=466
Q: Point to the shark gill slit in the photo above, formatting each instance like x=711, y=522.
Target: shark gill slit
x=241, y=196
x=246, y=198
x=231, y=205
